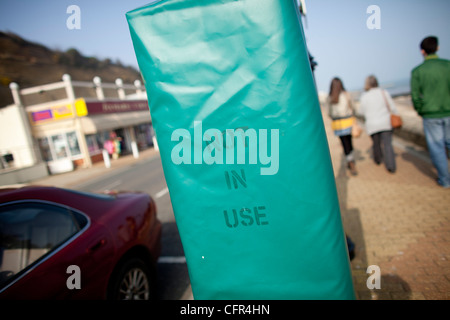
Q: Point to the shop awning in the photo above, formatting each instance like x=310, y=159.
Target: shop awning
x=96, y=123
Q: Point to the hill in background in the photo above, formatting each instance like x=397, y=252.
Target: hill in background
x=30, y=64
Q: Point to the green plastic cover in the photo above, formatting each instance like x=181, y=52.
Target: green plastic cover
x=243, y=148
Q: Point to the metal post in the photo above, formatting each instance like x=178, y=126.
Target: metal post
x=135, y=149
x=134, y=146
x=106, y=158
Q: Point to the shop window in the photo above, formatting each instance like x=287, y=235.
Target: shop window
x=143, y=135
x=93, y=143
x=45, y=149
x=59, y=145
x=73, y=143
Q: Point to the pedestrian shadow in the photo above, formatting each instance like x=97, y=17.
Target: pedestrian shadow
x=359, y=156
x=391, y=287
x=422, y=166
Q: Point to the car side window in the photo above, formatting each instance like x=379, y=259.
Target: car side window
x=31, y=230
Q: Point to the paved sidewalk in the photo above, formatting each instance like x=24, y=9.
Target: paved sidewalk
x=399, y=222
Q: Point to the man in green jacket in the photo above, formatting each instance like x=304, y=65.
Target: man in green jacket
x=430, y=93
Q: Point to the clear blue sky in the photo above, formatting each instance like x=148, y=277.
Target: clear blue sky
x=336, y=33
x=337, y=36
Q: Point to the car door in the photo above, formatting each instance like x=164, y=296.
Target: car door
x=32, y=233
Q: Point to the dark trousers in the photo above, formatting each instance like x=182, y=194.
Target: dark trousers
x=382, y=149
x=348, y=147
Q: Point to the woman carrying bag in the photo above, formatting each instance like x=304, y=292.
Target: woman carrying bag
x=377, y=107
x=341, y=113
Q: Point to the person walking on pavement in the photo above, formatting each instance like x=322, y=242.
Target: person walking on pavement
x=109, y=146
x=430, y=93
x=341, y=112
x=376, y=105
x=117, y=147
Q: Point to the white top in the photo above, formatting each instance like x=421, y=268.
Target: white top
x=342, y=109
x=374, y=109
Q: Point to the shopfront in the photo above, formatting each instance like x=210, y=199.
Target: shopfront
x=72, y=135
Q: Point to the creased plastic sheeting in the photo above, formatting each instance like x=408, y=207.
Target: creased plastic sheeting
x=258, y=219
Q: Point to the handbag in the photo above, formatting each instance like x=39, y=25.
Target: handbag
x=356, y=130
x=396, y=120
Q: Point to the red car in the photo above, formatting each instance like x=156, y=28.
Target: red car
x=63, y=244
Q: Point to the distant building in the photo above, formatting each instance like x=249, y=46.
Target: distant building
x=64, y=125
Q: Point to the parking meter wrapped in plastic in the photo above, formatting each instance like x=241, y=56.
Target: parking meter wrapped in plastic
x=243, y=148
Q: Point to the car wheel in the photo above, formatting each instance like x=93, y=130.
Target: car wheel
x=133, y=282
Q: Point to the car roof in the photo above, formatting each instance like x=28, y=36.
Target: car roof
x=72, y=198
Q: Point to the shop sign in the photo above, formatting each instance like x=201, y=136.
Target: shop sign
x=101, y=107
x=53, y=113
x=82, y=108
